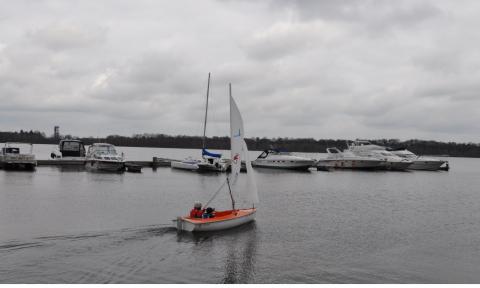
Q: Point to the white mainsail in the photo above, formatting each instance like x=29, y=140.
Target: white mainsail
x=239, y=152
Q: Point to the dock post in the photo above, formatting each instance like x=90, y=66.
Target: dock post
x=154, y=163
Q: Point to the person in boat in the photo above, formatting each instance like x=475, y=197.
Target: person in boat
x=209, y=213
x=197, y=211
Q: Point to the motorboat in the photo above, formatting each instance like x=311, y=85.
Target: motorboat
x=273, y=158
x=210, y=162
x=11, y=157
x=69, y=151
x=187, y=164
x=420, y=162
x=391, y=161
x=348, y=160
x=221, y=220
x=104, y=157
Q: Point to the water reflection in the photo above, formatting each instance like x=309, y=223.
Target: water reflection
x=241, y=256
x=98, y=176
x=239, y=253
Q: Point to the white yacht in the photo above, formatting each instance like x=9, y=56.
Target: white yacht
x=104, y=157
x=283, y=160
x=348, y=160
x=11, y=158
x=419, y=162
x=367, y=149
x=69, y=151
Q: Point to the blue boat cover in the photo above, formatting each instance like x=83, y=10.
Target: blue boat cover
x=205, y=152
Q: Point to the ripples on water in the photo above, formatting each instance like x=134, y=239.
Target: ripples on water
x=70, y=226
x=145, y=255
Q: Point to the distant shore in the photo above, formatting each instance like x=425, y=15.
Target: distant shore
x=419, y=147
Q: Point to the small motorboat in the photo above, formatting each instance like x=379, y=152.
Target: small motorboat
x=104, y=157
x=220, y=220
x=187, y=164
x=12, y=159
x=273, y=158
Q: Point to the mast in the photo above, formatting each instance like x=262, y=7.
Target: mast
x=206, y=113
x=231, y=195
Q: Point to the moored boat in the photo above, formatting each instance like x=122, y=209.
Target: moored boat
x=11, y=157
x=420, y=162
x=277, y=159
x=104, y=157
x=186, y=164
x=210, y=162
x=69, y=152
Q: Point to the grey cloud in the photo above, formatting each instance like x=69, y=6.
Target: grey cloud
x=64, y=37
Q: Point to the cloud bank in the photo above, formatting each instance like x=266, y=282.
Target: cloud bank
x=321, y=69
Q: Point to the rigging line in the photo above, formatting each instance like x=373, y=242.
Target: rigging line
x=216, y=193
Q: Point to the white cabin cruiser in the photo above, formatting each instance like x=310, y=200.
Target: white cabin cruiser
x=69, y=151
x=420, y=162
x=272, y=158
x=367, y=149
x=104, y=157
x=187, y=164
x=348, y=160
x=12, y=159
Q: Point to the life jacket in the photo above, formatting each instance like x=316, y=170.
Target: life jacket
x=194, y=213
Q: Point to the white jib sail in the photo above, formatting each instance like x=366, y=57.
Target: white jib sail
x=239, y=152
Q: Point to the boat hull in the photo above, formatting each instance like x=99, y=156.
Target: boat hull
x=184, y=165
x=426, y=165
x=398, y=166
x=206, y=167
x=351, y=164
x=18, y=165
x=232, y=220
x=291, y=165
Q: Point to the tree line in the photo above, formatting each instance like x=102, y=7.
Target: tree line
x=420, y=147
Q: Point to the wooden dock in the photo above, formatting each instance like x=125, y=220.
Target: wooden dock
x=154, y=163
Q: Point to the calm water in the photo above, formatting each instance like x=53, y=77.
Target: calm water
x=71, y=226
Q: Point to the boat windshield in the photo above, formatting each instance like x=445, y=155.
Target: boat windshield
x=11, y=150
x=70, y=146
x=105, y=149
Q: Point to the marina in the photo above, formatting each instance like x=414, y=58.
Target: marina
x=346, y=151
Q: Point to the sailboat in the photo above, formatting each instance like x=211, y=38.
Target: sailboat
x=210, y=162
x=235, y=216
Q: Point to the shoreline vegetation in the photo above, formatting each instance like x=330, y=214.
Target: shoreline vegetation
x=419, y=147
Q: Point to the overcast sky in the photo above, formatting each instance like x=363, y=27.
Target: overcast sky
x=321, y=69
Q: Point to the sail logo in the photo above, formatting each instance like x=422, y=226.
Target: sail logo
x=237, y=135
x=236, y=158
